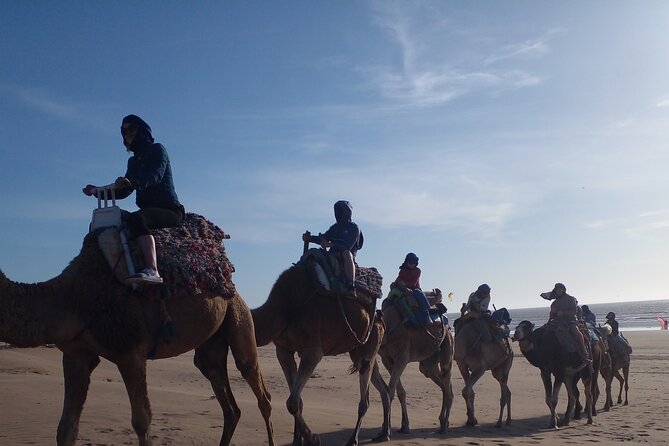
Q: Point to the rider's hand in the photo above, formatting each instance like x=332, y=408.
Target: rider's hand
x=122, y=183
x=306, y=237
x=88, y=190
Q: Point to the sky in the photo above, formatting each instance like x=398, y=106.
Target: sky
x=516, y=144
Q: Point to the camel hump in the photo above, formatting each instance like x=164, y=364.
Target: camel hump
x=191, y=257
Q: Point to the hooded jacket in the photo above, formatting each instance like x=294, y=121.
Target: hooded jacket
x=344, y=235
x=149, y=170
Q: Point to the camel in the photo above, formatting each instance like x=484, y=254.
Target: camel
x=601, y=364
x=543, y=350
x=474, y=356
x=301, y=317
x=620, y=360
x=402, y=344
x=87, y=314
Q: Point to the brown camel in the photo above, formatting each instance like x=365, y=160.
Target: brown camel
x=432, y=347
x=620, y=360
x=544, y=350
x=474, y=356
x=300, y=317
x=87, y=314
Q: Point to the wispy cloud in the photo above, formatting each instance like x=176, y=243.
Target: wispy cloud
x=49, y=104
x=529, y=49
x=428, y=73
x=663, y=102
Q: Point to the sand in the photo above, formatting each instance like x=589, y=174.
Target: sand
x=186, y=413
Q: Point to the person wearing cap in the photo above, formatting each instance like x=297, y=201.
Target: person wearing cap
x=149, y=174
x=615, y=330
x=564, y=309
x=343, y=239
x=408, y=279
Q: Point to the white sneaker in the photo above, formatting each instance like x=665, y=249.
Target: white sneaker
x=146, y=276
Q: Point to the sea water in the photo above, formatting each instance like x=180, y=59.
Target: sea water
x=631, y=316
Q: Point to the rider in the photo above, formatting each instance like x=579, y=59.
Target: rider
x=564, y=309
x=588, y=316
x=343, y=238
x=478, y=302
x=477, y=308
x=150, y=174
x=615, y=330
x=409, y=277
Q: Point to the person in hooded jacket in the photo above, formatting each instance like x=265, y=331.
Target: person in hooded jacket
x=342, y=238
x=149, y=173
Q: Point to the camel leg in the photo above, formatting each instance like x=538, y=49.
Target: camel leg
x=589, y=404
x=133, y=372
x=470, y=378
x=365, y=374
x=211, y=360
x=501, y=374
x=77, y=369
x=399, y=365
x=402, y=397
x=626, y=376
x=572, y=392
x=551, y=401
x=620, y=379
x=289, y=367
x=606, y=374
x=380, y=385
x=442, y=378
x=241, y=338
x=309, y=359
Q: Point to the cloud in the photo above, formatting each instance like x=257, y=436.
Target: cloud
x=46, y=103
x=431, y=70
x=528, y=49
x=663, y=102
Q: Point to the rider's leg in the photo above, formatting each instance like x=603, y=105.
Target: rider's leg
x=147, y=244
x=349, y=268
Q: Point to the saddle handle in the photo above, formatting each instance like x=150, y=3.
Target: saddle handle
x=105, y=193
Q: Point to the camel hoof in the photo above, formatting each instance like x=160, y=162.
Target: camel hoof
x=381, y=438
x=498, y=424
x=625, y=403
x=403, y=430
x=472, y=422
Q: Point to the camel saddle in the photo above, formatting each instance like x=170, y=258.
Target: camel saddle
x=326, y=270
x=191, y=257
x=407, y=305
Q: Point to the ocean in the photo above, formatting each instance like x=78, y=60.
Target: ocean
x=632, y=316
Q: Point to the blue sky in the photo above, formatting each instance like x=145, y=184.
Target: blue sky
x=512, y=143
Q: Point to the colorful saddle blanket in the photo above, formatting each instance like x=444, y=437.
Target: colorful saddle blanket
x=191, y=257
x=326, y=271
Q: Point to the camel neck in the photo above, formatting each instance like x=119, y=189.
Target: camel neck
x=33, y=314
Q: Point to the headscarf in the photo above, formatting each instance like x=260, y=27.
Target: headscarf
x=143, y=138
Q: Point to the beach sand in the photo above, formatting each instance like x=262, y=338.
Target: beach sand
x=186, y=413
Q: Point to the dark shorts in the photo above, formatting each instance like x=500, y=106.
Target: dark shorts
x=141, y=222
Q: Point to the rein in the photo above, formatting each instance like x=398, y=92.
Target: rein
x=441, y=337
x=348, y=325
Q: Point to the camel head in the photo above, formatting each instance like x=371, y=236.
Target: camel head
x=523, y=331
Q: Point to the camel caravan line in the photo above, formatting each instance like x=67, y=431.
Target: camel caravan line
x=89, y=312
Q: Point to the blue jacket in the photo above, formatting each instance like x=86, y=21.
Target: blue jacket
x=150, y=173
x=344, y=236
